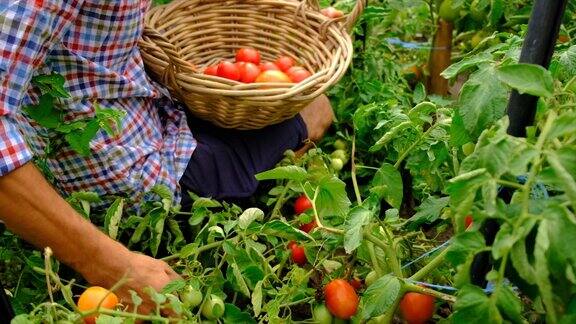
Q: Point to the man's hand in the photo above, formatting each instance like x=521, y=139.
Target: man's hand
x=31, y=208
x=318, y=117
x=139, y=271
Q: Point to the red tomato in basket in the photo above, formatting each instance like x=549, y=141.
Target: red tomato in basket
x=298, y=74
x=269, y=66
x=228, y=70
x=273, y=76
x=248, y=55
x=248, y=72
x=284, y=63
x=211, y=70
x=332, y=12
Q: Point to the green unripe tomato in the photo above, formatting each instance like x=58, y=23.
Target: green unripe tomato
x=337, y=164
x=191, y=297
x=340, y=145
x=371, y=277
x=213, y=307
x=448, y=13
x=321, y=315
x=468, y=148
x=340, y=154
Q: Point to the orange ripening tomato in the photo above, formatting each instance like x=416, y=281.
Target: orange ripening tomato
x=228, y=70
x=267, y=66
x=341, y=299
x=248, y=55
x=298, y=74
x=273, y=76
x=211, y=70
x=248, y=72
x=417, y=308
x=284, y=63
x=332, y=12
x=94, y=296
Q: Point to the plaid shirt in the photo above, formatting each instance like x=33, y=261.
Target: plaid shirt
x=93, y=44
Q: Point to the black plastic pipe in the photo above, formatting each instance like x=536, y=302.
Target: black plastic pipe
x=538, y=48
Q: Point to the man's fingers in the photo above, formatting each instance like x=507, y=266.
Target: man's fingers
x=171, y=273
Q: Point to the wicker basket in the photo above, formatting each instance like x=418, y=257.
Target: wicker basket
x=182, y=38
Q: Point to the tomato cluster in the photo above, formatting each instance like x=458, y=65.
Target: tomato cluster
x=248, y=68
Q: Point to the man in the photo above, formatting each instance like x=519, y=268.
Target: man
x=93, y=44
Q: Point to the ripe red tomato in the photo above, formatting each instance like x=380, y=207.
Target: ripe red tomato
x=291, y=244
x=248, y=55
x=302, y=204
x=298, y=74
x=341, y=299
x=228, y=70
x=273, y=76
x=211, y=70
x=269, y=66
x=468, y=221
x=248, y=72
x=93, y=297
x=417, y=308
x=308, y=227
x=284, y=63
x=332, y=12
x=298, y=255
x=356, y=283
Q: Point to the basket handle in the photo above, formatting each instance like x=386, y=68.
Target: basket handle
x=350, y=19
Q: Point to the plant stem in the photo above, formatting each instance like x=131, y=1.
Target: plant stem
x=374, y=260
x=280, y=201
x=389, y=315
x=317, y=217
x=431, y=292
x=510, y=184
x=353, y=172
x=305, y=300
x=433, y=264
x=389, y=251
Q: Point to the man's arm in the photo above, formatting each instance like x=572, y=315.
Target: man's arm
x=31, y=208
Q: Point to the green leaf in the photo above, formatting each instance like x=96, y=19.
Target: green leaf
x=463, y=245
x=284, y=230
x=429, y=211
x=52, y=84
x=463, y=188
x=564, y=125
x=466, y=64
x=482, y=101
x=421, y=112
x=239, y=280
x=233, y=314
x=248, y=216
x=359, y=217
x=473, y=306
x=496, y=11
x=79, y=140
x=542, y=272
x=509, y=305
x=527, y=78
x=387, y=184
x=205, y=203
x=112, y=218
x=44, y=113
x=157, y=222
x=174, y=286
x=332, y=196
x=380, y=296
x=458, y=133
x=257, y=298
x=390, y=135
x=565, y=179
x=567, y=63
x=291, y=172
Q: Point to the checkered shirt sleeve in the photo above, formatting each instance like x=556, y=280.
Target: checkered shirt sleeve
x=28, y=29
